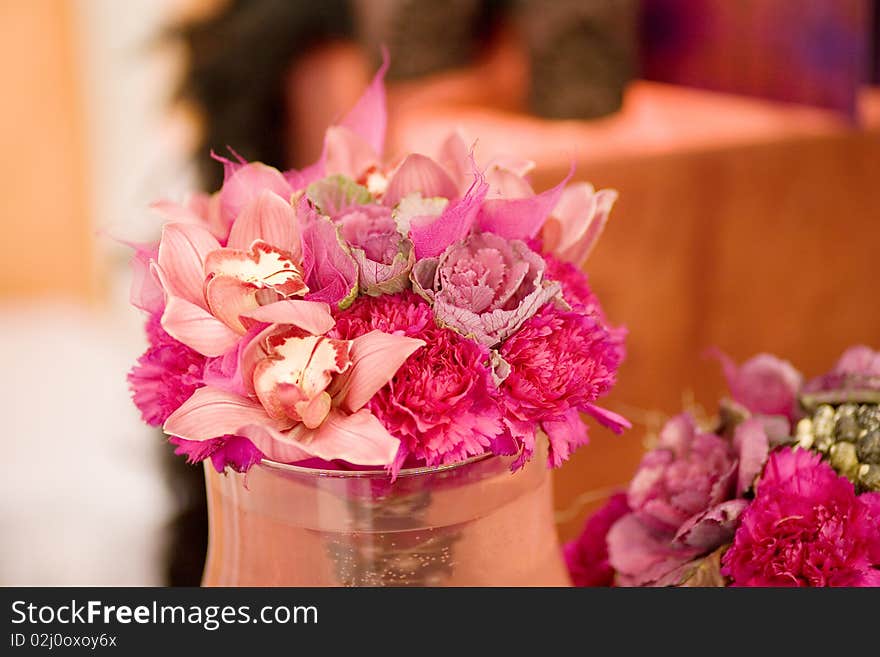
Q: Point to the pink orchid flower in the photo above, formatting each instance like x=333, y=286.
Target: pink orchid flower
x=306, y=397
x=214, y=294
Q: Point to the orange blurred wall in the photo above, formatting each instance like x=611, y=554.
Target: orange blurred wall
x=47, y=241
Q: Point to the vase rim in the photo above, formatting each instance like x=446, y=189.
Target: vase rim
x=366, y=474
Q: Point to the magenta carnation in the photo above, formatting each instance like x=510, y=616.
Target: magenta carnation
x=235, y=451
x=575, y=286
x=587, y=555
x=806, y=527
x=560, y=363
x=165, y=376
x=442, y=402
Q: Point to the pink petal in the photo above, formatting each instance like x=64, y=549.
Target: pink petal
x=617, y=423
x=641, y=554
x=583, y=215
x=519, y=218
x=421, y=174
x=359, y=438
x=229, y=299
x=565, y=436
x=246, y=183
x=432, y=235
x=311, y=316
x=276, y=445
x=182, y=253
x=376, y=357
x=505, y=184
x=751, y=440
x=197, y=328
x=454, y=156
x=253, y=351
x=146, y=290
x=368, y=118
x=713, y=527
x=331, y=272
x=347, y=153
x=211, y=413
x=269, y=218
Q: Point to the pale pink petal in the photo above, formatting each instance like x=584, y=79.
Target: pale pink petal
x=504, y=183
x=582, y=214
x=516, y=165
x=454, y=156
x=211, y=413
x=642, y=555
x=311, y=316
x=519, y=218
x=229, y=298
x=432, y=235
x=368, y=118
x=711, y=528
x=346, y=153
x=751, y=441
x=197, y=328
x=182, y=253
x=358, y=438
x=253, y=351
x=274, y=444
x=269, y=218
x=245, y=183
x=376, y=357
x=146, y=290
x=421, y=174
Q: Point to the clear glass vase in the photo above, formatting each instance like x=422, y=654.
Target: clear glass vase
x=470, y=524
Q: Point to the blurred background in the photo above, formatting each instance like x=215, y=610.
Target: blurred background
x=744, y=138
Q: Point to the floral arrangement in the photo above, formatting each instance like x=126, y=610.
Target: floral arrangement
x=364, y=313
x=784, y=489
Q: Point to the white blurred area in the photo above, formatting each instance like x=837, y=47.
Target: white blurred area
x=83, y=499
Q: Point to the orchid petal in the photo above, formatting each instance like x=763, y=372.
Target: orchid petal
x=358, y=438
x=311, y=316
x=269, y=218
x=432, y=235
x=505, y=184
x=376, y=357
x=182, y=253
x=418, y=173
x=347, y=154
x=197, y=328
x=519, y=218
x=276, y=445
x=211, y=413
x=229, y=298
x=245, y=184
x=454, y=156
x=369, y=117
x=582, y=215
x=146, y=290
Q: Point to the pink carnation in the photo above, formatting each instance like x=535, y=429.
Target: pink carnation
x=235, y=451
x=575, y=286
x=560, y=363
x=441, y=403
x=587, y=555
x=806, y=527
x=165, y=376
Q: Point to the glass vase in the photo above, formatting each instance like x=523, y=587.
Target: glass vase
x=470, y=524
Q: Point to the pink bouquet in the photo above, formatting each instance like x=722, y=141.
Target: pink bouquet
x=783, y=491
x=362, y=312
